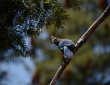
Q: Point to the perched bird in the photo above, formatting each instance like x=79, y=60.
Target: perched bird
x=65, y=45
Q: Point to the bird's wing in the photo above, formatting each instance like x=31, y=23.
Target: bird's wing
x=67, y=53
x=66, y=42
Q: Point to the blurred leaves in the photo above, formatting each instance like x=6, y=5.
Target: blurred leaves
x=27, y=18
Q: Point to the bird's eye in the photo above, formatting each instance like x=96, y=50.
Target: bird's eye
x=55, y=39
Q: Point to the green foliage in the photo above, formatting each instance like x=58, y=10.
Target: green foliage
x=26, y=18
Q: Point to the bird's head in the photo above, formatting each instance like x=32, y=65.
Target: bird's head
x=55, y=40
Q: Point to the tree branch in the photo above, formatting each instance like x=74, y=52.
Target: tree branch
x=81, y=41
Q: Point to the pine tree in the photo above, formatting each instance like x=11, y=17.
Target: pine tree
x=26, y=18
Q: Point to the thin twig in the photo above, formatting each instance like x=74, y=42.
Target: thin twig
x=81, y=41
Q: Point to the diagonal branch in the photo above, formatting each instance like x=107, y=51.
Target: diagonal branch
x=81, y=41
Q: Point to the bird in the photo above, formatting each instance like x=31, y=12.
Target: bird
x=66, y=46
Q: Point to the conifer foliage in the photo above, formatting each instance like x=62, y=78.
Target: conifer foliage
x=26, y=18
